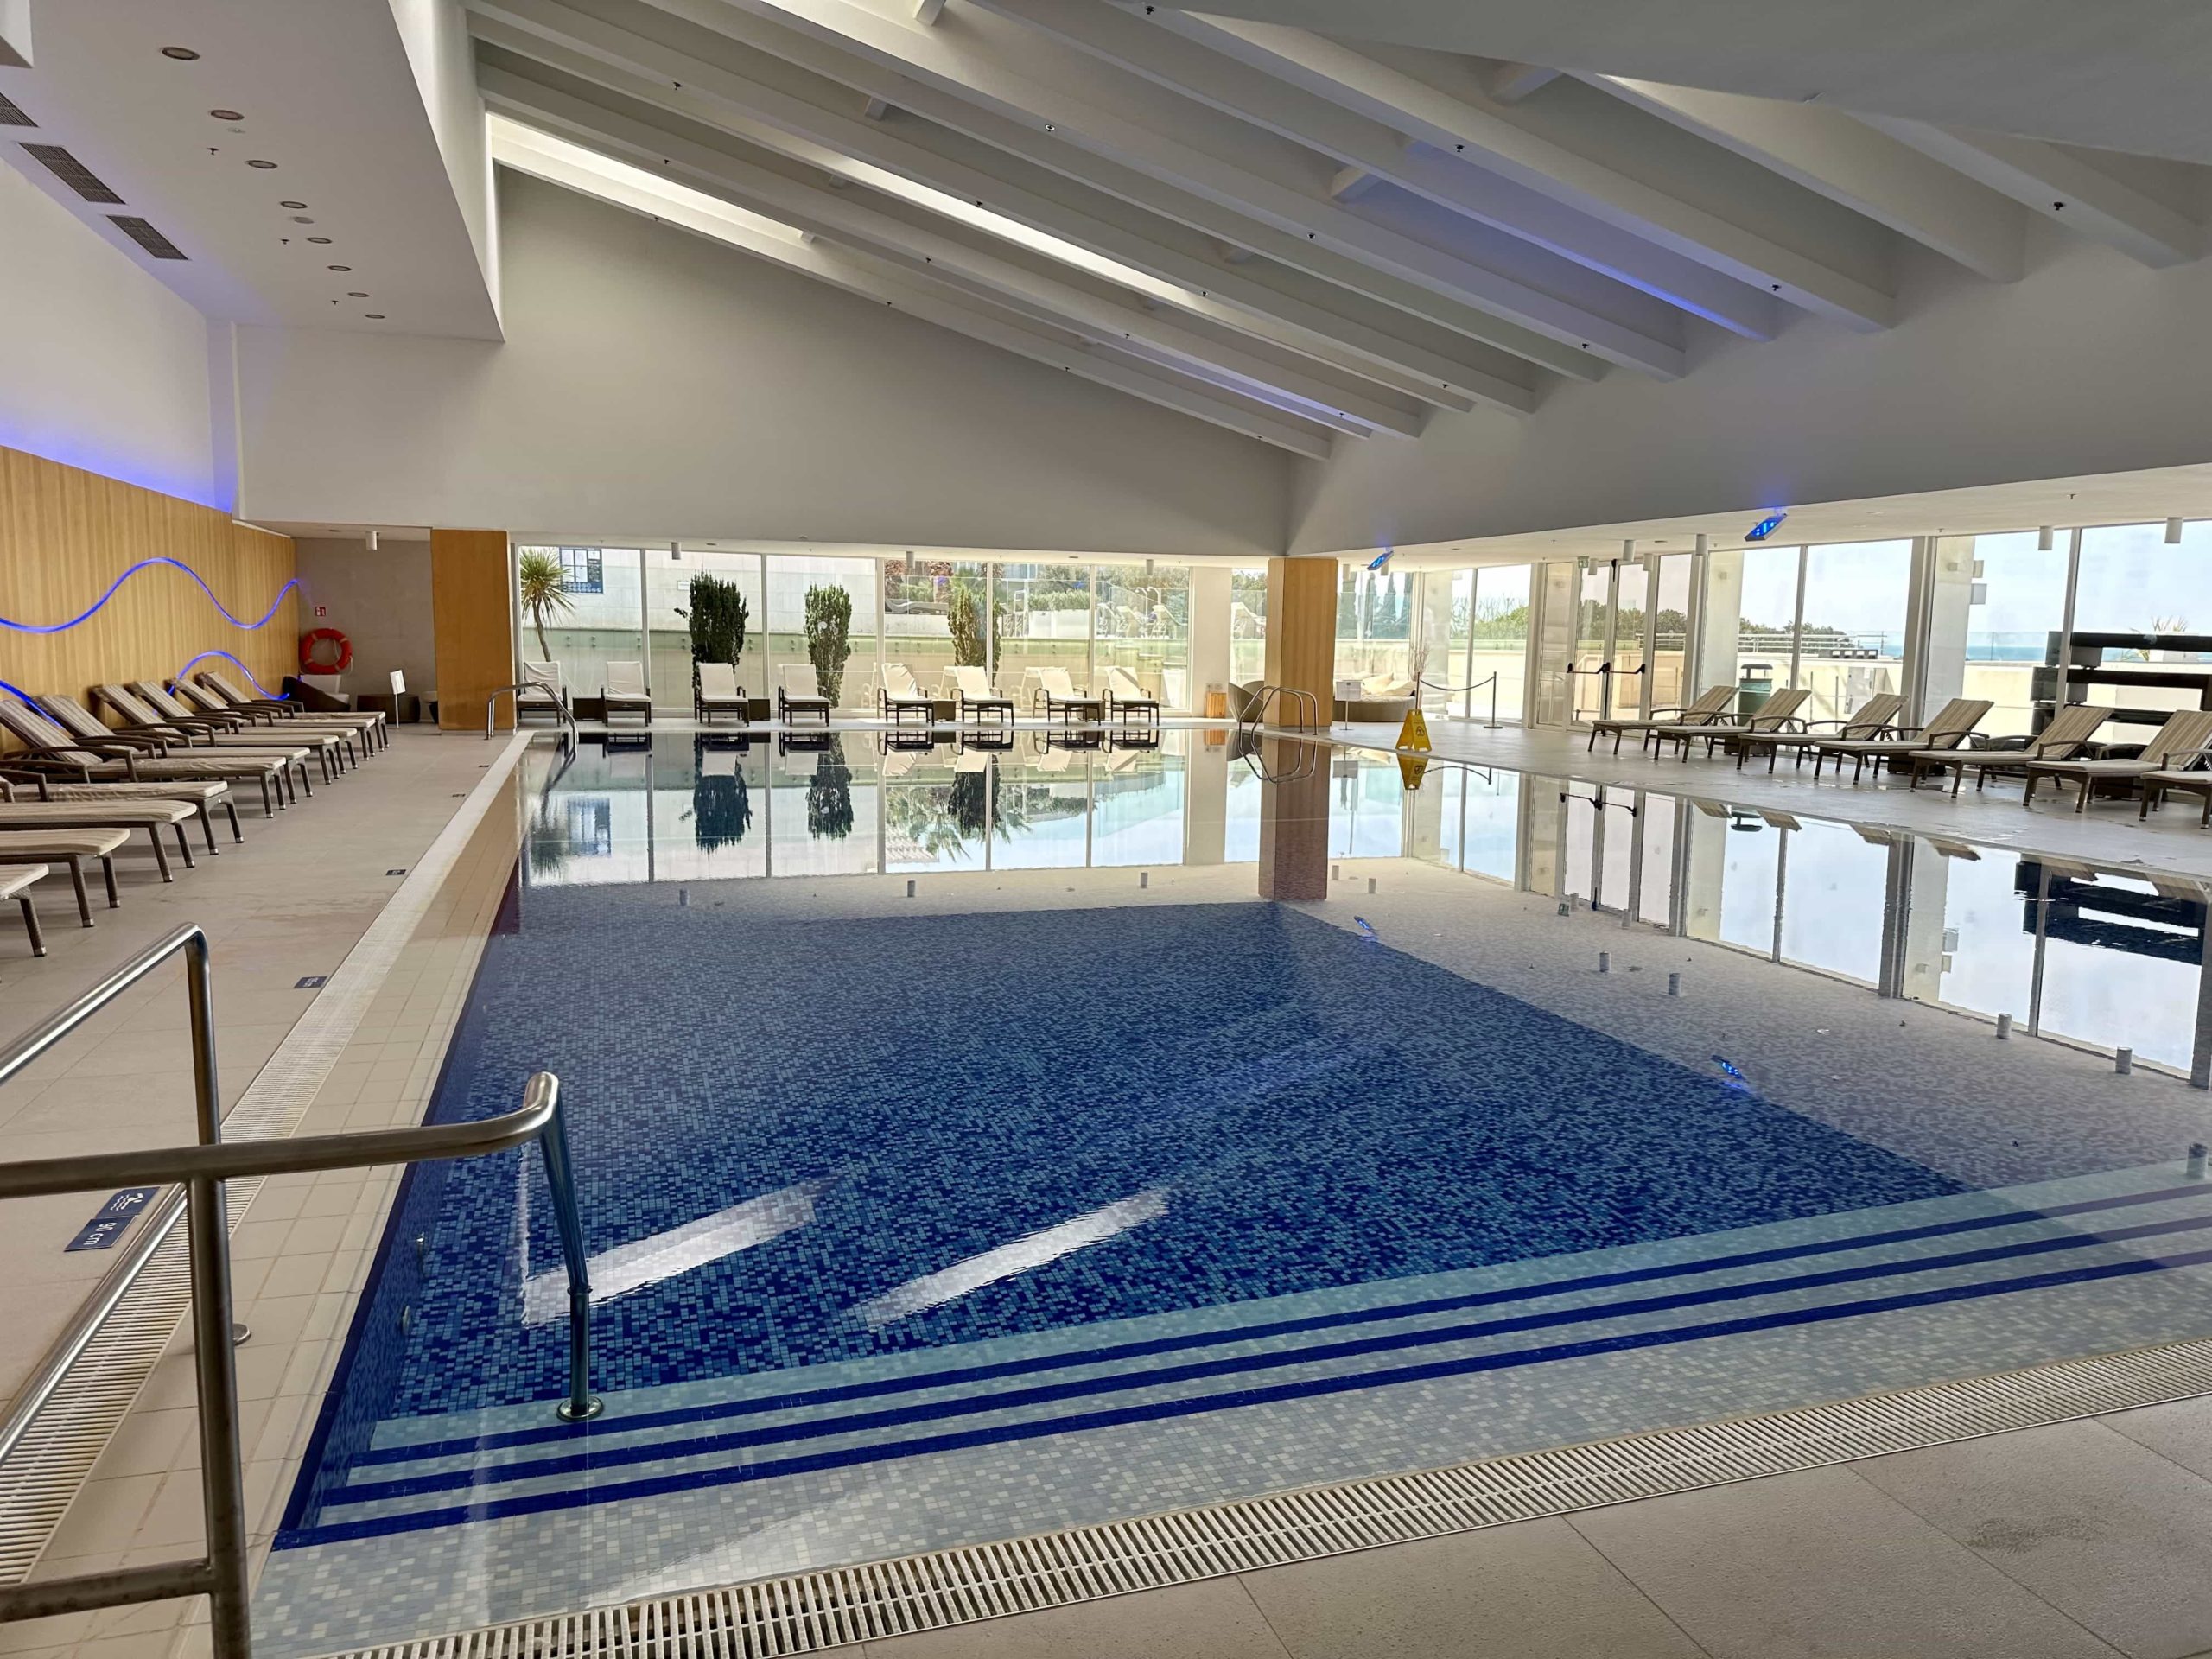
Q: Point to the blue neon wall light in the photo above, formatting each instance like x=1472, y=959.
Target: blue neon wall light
x=276, y=696
x=145, y=564
x=1766, y=526
x=1381, y=559
x=18, y=691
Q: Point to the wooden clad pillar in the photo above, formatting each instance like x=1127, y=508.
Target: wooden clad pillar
x=1302, y=627
x=471, y=612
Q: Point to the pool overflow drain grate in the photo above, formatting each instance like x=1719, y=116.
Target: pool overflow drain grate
x=810, y=1612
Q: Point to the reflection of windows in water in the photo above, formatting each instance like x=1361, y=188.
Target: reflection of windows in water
x=591, y=828
x=582, y=571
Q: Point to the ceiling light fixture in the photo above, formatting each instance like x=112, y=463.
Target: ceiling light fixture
x=2045, y=538
x=373, y=316
x=320, y=241
x=291, y=204
x=338, y=267
x=266, y=167
x=2173, y=532
x=302, y=218
x=182, y=53
x=1766, y=526
x=356, y=294
x=226, y=115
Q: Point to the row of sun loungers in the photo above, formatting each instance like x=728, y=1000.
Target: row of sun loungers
x=76, y=790
x=2176, y=757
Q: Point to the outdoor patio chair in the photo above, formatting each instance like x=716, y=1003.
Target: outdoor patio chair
x=897, y=697
x=1711, y=707
x=1125, y=697
x=2178, y=745
x=1950, y=728
x=539, y=691
x=2061, y=739
x=718, y=691
x=799, y=691
x=1871, y=719
x=1056, y=696
x=1777, y=713
x=974, y=699
x=624, y=688
x=53, y=753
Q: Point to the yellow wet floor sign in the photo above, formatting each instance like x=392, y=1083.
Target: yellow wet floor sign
x=1412, y=768
x=1414, y=734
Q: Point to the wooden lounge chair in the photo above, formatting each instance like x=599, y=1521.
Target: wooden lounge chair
x=624, y=688
x=186, y=730
x=538, y=690
x=205, y=795
x=973, y=698
x=16, y=884
x=897, y=697
x=1777, y=713
x=153, y=816
x=255, y=727
x=1871, y=719
x=1056, y=696
x=1710, y=709
x=718, y=690
x=2061, y=739
x=53, y=753
x=70, y=847
x=1125, y=697
x=806, y=699
x=375, y=725
x=2192, y=778
x=1950, y=728
x=2178, y=745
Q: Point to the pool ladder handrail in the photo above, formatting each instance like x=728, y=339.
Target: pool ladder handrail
x=199, y=1170
x=1305, y=705
x=492, y=707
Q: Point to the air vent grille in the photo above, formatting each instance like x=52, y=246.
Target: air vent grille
x=146, y=236
x=72, y=173
x=11, y=115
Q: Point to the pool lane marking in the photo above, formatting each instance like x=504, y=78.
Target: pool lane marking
x=594, y=1460
x=1156, y=1411
x=800, y=1400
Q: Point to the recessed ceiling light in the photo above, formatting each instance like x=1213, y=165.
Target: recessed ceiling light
x=356, y=295
x=226, y=115
x=182, y=53
x=264, y=166
x=373, y=316
x=291, y=204
x=341, y=267
x=302, y=218
x=319, y=240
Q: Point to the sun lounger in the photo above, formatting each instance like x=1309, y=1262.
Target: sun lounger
x=205, y=795
x=1124, y=696
x=191, y=707
x=1710, y=709
x=2190, y=780
x=55, y=753
x=153, y=816
x=16, y=883
x=799, y=692
x=188, y=731
x=624, y=688
x=1056, y=696
x=2178, y=745
x=1777, y=713
x=540, y=691
x=70, y=847
x=973, y=696
x=897, y=697
x=1949, y=728
x=718, y=690
x=2061, y=739
x=375, y=725
x=1871, y=719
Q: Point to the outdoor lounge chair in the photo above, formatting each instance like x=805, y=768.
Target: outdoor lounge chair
x=1125, y=697
x=1871, y=719
x=1777, y=713
x=2190, y=779
x=55, y=753
x=539, y=691
x=375, y=728
x=718, y=690
x=251, y=723
x=897, y=697
x=1710, y=709
x=973, y=696
x=1949, y=728
x=205, y=795
x=806, y=699
x=2178, y=745
x=70, y=847
x=624, y=688
x=151, y=815
x=187, y=730
x=1056, y=696
x=16, y=884
x=2061, y=738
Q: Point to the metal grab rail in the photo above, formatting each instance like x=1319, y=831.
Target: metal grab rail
x=1307, y=705
x=492, y=707
x=220, y=1574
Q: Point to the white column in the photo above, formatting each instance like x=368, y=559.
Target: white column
x=1210, y=618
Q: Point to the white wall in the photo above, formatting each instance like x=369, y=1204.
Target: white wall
x=2090, y=364
x=380, y=600
x=100, y=366
x=655, y=387
x=435, y=35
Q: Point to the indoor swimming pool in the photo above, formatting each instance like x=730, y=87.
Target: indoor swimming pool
x=976, y=1142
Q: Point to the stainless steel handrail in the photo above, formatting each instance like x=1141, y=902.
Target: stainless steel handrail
x=1256, y=712
x=492, y=706
x=220, y=1574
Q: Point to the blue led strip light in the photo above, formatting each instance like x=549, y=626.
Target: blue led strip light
x=275, y=695
x=17, y=691
x=143, y=564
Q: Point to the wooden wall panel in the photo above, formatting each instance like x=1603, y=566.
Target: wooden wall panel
x=1302, y=626
x=66, y=534
x=472, y=610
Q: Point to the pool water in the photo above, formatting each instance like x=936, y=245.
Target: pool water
x=1089, y=1175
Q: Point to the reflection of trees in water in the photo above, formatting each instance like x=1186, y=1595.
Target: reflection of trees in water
x=829, y=795
x=938, y=817
x=722, y=810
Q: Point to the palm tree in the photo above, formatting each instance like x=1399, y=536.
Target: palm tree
x=543, y=591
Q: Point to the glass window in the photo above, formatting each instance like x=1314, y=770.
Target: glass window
x=1749, y=869
x=581, y=570
x=1375, y=624
x=593, y=628
x=1497, y=640
x=668, y=610
x=1139, y=798
x=1832, y=901
x=1144, y=626
x=1247, y=624
x=1670, y=632
x=1852, y=635
x=1492, y=835
x=2133, y=584
x=2017, y=604
x=920, y=599
x=1045, y=623
x=847, y=671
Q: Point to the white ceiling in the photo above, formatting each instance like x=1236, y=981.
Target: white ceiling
x=2123, y=74
x=326, y=92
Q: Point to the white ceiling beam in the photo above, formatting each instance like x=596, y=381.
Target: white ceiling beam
x=2060, y=186
x=1850, y=162
x=943, y=61
x=802, y=202
x=757, y=97
x=858, y=273
x=1466, y=121
x=1141, y=42
x=1511, y=82
x=926, y=12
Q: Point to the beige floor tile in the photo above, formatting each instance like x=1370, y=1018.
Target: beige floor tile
x=2181, y=1431
x=1534, y=1591
x=2107, y=1530
x=1821, y=1564
x=1213, y=1620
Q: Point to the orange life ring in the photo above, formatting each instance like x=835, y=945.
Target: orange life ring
x=315, y=636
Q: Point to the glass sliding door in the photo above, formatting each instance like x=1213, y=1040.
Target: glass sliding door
x=1851, y=627
x=1551, y=680
x=599, y=624
x=1497, y=640
x=1046, y=623
x=1670, y=632
x=1247, y=624
x=1144, y=626
x=794, y=582
x=668, y=605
